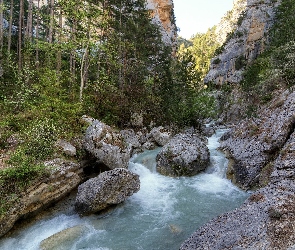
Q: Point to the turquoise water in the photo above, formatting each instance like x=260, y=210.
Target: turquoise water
x=164, y=213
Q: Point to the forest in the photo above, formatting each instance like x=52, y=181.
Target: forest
x=105, y=59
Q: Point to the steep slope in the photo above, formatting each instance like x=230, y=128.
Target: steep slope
x=229, y=22
x=163, y=14
x=245, y=43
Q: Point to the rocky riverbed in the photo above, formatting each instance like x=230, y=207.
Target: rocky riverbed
x=262, y=154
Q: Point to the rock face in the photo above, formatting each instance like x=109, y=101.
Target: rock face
x=265, y=155
x=109, y=188
x=107, y=145
x=162, y=13
x=228, y=23
x=64, y=177
x=253, y=144
x=66, y=147
x=245, y=42
x=184, y=155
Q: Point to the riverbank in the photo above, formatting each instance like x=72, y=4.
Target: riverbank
x=262, y=153
x=160, y=216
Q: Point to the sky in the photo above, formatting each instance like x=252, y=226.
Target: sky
x=193, y=16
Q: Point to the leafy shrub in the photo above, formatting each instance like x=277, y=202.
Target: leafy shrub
x=216, y=61
x=240, y=62
x=40, y=139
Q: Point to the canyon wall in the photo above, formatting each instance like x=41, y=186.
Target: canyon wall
x=162, y=12
x=247, y=40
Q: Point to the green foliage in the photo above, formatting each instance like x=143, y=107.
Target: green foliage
x=240, y=62
x=202, y=50
x=241, y=18
x=216, y=61
x=187, y=100
x=275, y=67
x=15, y=179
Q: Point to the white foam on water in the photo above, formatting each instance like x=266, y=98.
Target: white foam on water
x=160, y=216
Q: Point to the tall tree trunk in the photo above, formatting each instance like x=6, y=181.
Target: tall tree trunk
x=83, y=72
x=58, y=64
x=73, y=52
x=29, y=27
x=1, y=36
x=51, y=24
x=10, y=27
x=20, y=27
x=1, y=27
x=37, y=33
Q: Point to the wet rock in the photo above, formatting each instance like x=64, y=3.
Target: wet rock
x=63, y=239
x=132, y=140
x=208, y=131
x=186, y=154
x=265, y=221
x=109, y=188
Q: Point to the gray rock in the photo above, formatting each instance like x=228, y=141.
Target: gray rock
x=160, y=135
x=109, y=188
x=63, y=239
x=149, y=145
x=246, y=41
x=132, y=140
x=243, y=228
x=184, y=155
x=253, y=143
x=265, y=221
x=63, y=178
x=208, y=131
x=107, y=145
x=66, y=147
x=263, y=151
x=137, y=119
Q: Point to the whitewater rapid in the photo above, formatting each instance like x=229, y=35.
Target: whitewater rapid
x=164, y=213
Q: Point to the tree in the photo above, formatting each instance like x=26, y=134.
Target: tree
x=1, y=27
x=10, y=26
x=20, y=30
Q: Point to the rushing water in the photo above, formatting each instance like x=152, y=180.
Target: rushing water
x=164, y=213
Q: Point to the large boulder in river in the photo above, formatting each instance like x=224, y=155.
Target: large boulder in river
x=109, y=188
x=106, y=144
x=186, y=154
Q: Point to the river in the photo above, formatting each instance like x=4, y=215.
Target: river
x=164, y=213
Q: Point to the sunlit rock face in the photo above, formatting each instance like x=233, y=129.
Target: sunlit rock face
x=245, y=43
x=163, y=14
x=228, y=22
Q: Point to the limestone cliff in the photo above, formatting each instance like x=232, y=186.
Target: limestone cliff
x=253, y=20
x=228, y=23
x=162, y=13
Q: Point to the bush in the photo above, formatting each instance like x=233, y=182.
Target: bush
x=216, y=61
x=240, y=62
